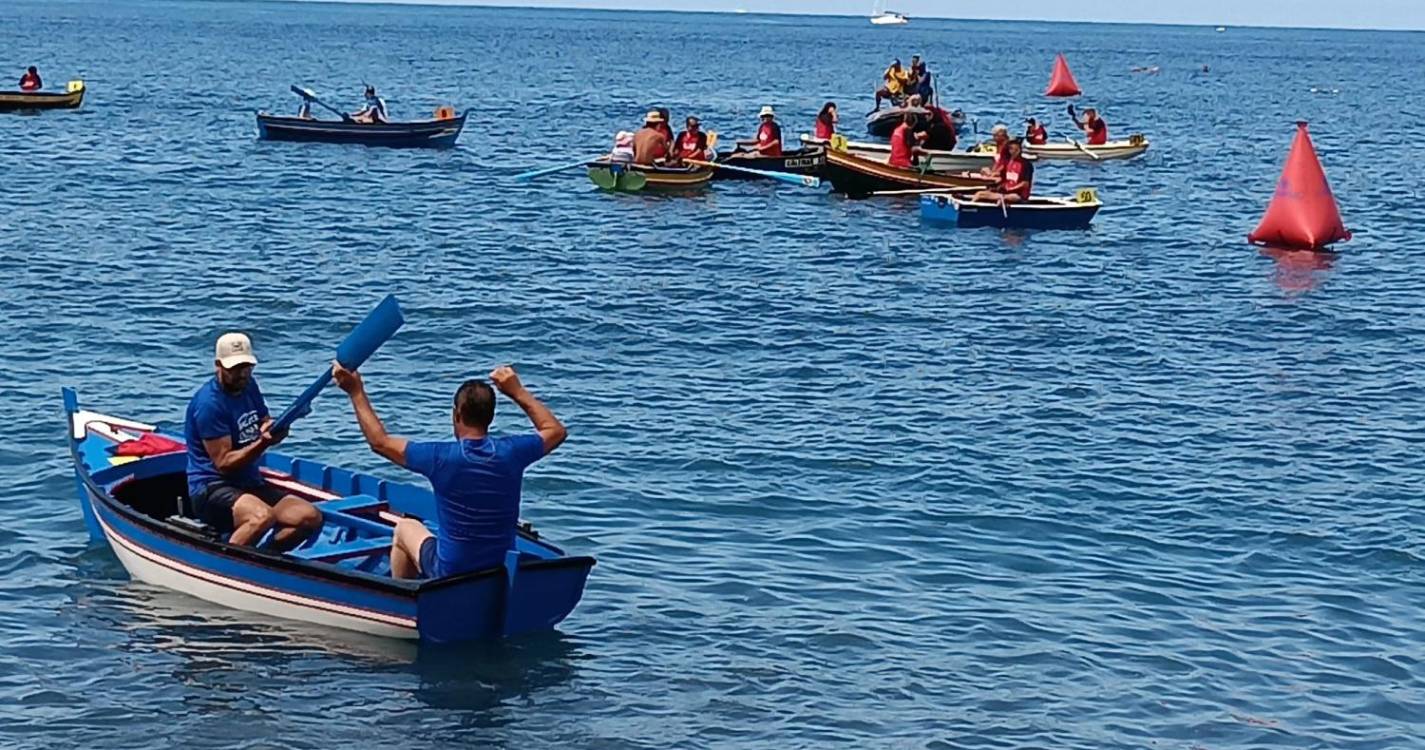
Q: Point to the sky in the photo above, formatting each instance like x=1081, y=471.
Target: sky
x=1367, y=14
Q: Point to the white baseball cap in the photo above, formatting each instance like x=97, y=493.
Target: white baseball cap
x=234, y=349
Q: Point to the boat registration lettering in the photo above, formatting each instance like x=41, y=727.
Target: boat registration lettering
x=1087, y=195
x=799, y=163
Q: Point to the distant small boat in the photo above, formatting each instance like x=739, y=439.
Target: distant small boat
x=438, y=133
x=24, y=101
x=1221, y=29
x=882, y=17
x=1035, y=213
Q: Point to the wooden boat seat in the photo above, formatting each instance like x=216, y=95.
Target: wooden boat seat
x=355, y=548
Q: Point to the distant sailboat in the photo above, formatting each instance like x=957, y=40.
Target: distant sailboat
x=882, y=17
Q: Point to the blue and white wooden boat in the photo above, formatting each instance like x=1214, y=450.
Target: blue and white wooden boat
x=1036, y=213
x=340, y=577
x=438, y=133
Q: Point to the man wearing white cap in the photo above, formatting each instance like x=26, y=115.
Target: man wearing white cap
x=769, y=133
x=227, y=429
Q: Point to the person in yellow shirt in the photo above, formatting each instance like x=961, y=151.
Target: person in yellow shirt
x=897, y=78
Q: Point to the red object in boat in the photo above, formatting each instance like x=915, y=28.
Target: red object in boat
x=1303, y=213
x=1062, y=83
x=148, y=444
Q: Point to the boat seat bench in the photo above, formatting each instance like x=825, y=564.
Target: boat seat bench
x=343, y=551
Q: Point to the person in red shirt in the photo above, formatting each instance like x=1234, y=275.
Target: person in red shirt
x=826, y=122
x=903, y=143
x=999, y=139
x=1017, y=181
x=30, y=81
x=769, y=133
x=1036, y=134
x=692, y=143
x=1092, y=125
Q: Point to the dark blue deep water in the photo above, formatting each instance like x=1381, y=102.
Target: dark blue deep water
x=853, y=482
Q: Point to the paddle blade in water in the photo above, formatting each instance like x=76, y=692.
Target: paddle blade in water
x=632, y=182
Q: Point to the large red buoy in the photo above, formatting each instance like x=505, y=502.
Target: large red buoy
x=1303, y=213
x=1062, y=83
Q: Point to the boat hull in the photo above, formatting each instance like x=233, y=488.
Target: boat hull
x=1038, y=213
x=339, y=577
x=859, y=178
x=656, y=178
x=1111, y=151
x=422, y=134
x=25, y=101
x=949, y=162
x=806, y=161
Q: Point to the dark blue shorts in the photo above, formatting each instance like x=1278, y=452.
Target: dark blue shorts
x=428, y=560
x=214, y=505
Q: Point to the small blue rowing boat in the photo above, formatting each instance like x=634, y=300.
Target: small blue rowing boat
x=438, y=133
x=133, y=491
x=1035, y=213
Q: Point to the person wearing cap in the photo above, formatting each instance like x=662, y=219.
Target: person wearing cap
x=1092, y=125
x=1035, y=134
x=227, y=428
x=650, y=145
x=622, y=152
x=476, y=478
x=374, y=110
x=769, y=133
x=692, y=143
x=896, y=78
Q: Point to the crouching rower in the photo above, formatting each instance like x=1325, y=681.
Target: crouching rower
x=1016, y=180
x=476, y=478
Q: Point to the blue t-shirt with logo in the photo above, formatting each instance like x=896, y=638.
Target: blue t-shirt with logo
x=477, y=496
x=214, y=413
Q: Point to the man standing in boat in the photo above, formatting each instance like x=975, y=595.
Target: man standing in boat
x=476, y=478
x=227, y=429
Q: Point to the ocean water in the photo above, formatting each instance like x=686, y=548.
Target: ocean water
x=852, y=482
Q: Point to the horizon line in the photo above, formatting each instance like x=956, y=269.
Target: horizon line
x=747, y=12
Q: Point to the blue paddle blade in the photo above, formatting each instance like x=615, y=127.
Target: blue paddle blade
x=358, y=346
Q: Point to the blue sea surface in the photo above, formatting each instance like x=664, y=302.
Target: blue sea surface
x=852, y=481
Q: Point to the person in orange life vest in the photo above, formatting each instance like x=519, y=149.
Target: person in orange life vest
x=999, y=138
x=1092, y=125
x=826, y=122
x=692, y=143
x=769, y=134
x=649, y=143
x=903, y=143
x=1017, y=181
x=1035, y=134
x=30, y=81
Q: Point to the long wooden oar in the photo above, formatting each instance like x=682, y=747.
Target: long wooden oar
x=927, y=191
x=551, y=170
x=1084, y=149
x=794, y=179
x=358, y=346
x=311, y=96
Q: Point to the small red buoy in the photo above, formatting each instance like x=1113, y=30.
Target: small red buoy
x=1062, y=83
x=1303, y=214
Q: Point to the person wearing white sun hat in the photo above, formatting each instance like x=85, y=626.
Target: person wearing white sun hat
x=227, y=428
x=769, y=134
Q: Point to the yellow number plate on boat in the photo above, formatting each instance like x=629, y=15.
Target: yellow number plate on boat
x=839, y=143
x=1087, y=195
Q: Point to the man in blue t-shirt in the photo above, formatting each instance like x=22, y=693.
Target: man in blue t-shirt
x=227, y=429
x=476, y=477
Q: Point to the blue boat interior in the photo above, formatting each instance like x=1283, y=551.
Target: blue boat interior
x=359, y=510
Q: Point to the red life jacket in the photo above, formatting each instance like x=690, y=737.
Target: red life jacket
x=1098, y=132
x=824, y=130
x=691, y=145
x=1038, y=135
x=769, y=139
x=1017, y=170
x=901, y=147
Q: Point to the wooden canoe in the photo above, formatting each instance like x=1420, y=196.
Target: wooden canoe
x=24, y=101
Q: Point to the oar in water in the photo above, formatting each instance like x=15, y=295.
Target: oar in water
x=358, y=346
x=311, y=96
x=551, y=170
x=794, y=179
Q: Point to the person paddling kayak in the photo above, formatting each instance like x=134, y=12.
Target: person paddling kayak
x=1092, y=125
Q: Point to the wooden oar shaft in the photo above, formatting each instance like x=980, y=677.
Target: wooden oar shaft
x=795, y=179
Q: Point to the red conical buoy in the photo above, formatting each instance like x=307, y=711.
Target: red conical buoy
x=1062, y=83
x=1303, y=213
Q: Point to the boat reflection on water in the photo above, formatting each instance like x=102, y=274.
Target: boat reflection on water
x=1299, y=271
